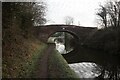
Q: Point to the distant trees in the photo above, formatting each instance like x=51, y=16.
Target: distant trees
x=69, y=20
x=109, y=14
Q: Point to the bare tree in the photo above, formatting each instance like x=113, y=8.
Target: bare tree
x=69, y=20
x=109, y=14
x=102, y=14
x=39, y=10
x=113, y=9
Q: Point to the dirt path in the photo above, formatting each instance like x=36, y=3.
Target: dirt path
x=42, y=71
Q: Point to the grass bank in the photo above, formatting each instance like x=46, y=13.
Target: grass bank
x=58, y=67
x=19, y=58
x=30, y=65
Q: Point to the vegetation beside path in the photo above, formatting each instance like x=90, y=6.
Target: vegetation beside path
x=58, y=67
x=20, y=60
x=20, y=46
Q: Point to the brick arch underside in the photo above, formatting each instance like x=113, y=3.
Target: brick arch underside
x=76, y=38
x=67, y=31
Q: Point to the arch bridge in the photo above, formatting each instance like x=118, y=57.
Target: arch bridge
x=80, y=53
x=82, y=33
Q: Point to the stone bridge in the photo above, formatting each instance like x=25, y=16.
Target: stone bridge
x=81, y=52
x=81, y=33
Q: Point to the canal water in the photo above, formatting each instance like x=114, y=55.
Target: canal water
x=86, y=70
x=83, y=70
x=64, y=44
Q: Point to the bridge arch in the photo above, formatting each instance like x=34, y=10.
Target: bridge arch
x=67, y=31
x=75, y=40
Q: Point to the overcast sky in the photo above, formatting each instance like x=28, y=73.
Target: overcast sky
x=83, y=11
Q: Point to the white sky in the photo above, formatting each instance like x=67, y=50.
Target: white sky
x=83, y=11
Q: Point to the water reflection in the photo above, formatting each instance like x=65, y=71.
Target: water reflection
x=63, y=42
x=86, y=70
x=60, y=47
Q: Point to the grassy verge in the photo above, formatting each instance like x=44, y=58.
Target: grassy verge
x=19, y=60
x=30, y=66
x=58, y=67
